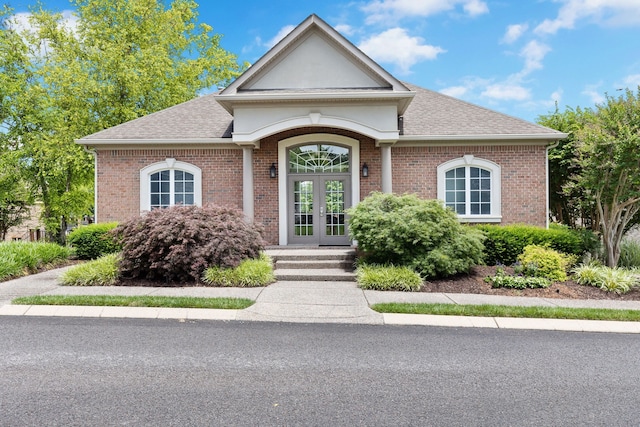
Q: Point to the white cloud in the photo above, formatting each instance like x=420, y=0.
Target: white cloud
x=507, y=92
x=632, y=81
x=455, y=91
x=281, y=34
x=556, y=96
x=384, y=10
x=21, y=23
x=514, y=32
x=533, y=54
x=604, y=12
x=397, y=47
x=345, y=29
x=592, y=91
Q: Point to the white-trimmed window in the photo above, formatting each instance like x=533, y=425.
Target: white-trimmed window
x=471, y=187
x=169, y=183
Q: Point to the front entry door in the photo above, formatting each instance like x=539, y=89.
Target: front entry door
x=317, y=205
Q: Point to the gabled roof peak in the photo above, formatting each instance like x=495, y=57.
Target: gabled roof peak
x=314, y=56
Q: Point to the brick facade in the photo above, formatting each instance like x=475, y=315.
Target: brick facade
x=119, y=178
x=414, y=171
x=524, y=184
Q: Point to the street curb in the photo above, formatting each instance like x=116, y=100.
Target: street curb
x=567, y=325
x=513, y=323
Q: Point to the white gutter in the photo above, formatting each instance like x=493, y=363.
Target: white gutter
x=485, y=137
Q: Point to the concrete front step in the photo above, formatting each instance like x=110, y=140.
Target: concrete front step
x=315, y=264
x=317, y=254
x=317, y=275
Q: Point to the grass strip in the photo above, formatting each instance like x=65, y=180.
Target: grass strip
x=510, y=311
x=135, y=301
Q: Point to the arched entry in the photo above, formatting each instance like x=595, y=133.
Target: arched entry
x=318, y=185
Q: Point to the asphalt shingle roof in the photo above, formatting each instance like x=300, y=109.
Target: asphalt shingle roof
x=430, y=114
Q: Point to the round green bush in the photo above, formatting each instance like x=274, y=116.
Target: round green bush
x=177, y=244
x=409, y=231
x=92, y=241
x=539, y=261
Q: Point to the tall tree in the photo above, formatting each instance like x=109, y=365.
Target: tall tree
x=567, y=201
x=121, y=60
x=608, y=147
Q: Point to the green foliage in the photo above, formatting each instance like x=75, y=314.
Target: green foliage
x=503, y=280
x=177, y=244
x=15, y=200
x=608, y=147
x=629, y=253
x=538, y=261
x=387, y=278
x=568, y=203
x=94, y=240
x=99, y=272
x=608, y=279
x=20, y=258
x=124, y=59
x=249, y=273
x=421, y=234
x=505, y=243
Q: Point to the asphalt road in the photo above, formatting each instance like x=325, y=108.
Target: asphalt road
x=101, y=372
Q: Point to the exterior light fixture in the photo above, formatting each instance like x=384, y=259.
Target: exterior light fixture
x=365, y=170
x=272, y=170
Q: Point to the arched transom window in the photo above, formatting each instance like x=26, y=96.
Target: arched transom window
x=318, y=158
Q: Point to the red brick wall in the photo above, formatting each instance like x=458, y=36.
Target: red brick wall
x=119, y=178
x=522, y=171
x=414, y=171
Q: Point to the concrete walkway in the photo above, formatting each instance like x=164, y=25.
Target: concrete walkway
x=305, y=302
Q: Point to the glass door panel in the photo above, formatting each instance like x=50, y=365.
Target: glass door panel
x=303, y=208
x=334, y=197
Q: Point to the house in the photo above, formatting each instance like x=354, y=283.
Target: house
x=310, y=129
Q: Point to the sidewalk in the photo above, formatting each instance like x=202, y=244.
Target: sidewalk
x=305, y=302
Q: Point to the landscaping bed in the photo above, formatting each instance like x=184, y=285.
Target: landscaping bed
x=473, y=283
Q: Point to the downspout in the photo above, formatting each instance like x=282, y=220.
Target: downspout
x=95, y=181
x=549, y=147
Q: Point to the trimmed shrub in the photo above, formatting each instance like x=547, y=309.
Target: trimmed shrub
x=387, y=278
x=99, y=272
x=249, y=273
x=503, y=280
x=177, y=244
x=538, y=261
x=608, y=279
x=93, y=241
x=409, y=231
x=505, y=242
x=629, y=253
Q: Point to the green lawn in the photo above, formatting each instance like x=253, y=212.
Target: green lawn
x=135, y=301
x=510, y=311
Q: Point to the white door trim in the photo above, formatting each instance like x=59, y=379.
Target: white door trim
x=283, y=166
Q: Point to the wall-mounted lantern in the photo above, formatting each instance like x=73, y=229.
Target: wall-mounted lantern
x=272, y=171
x=365, y=170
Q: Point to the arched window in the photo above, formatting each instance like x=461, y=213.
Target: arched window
x=471, y=187
x=169, y=183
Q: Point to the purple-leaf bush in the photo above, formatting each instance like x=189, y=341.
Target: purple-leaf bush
x=177, y=244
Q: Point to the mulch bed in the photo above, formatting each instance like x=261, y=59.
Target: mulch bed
x=473, y=283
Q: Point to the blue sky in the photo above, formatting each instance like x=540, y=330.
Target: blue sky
x=515, y=56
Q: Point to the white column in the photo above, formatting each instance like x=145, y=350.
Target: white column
x=247, y=182
x=387, y=177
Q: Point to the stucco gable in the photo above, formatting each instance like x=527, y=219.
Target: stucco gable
x=314, y=56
